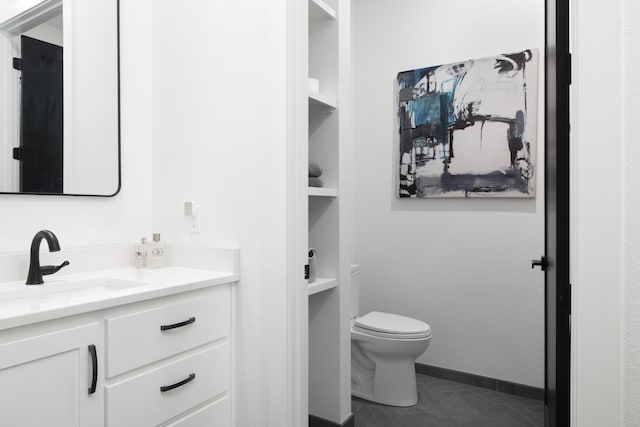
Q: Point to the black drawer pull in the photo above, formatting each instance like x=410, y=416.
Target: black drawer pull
x=178, y=384
x=94, y=368
x=178, y=325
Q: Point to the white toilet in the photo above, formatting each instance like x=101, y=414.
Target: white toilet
x=384, y=348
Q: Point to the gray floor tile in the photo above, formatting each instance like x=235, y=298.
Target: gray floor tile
x=444, y=403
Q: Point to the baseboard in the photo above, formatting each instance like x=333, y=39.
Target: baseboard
x=480, y=381
x=321, y=422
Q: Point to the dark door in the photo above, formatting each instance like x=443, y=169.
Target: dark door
x=557, y=287
x=41, y=117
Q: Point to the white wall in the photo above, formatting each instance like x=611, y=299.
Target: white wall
x=87, y=221
x=463, y=266
x=631, y=130
x=597, y=210
x=219, y=93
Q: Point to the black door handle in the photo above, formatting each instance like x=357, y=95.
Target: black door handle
x=94, y=368
x=542, y=263
x=178, y=384
x=178, y=325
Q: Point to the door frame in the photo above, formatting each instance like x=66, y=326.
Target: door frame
x=297, y=172
x=297, y=337
x=557, y=172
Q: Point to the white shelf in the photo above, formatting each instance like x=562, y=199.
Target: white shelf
x=320, y=11
x=317, y=99
x=322, y=284
x=323, y=192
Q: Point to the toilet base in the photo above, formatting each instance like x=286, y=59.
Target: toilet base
x=387, y=380
x=399, y=388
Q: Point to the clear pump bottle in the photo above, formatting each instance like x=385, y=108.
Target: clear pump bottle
x=157, y=252
x=142, y=253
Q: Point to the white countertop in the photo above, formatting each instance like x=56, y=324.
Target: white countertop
x=67, y=295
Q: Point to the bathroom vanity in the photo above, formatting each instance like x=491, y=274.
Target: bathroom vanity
x=119, y=347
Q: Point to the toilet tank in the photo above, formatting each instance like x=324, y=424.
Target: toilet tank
x=355, y=290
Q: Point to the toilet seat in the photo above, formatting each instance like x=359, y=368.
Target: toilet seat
x=387, y=325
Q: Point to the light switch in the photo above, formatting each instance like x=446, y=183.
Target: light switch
x=192, y=212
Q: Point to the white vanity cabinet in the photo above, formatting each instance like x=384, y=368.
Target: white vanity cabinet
x=165, y=361
x=46, y=377
x=169, y=358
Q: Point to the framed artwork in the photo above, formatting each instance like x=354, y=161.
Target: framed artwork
x=469, y=128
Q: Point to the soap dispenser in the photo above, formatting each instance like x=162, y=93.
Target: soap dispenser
x=157, y=252
x=142, y=253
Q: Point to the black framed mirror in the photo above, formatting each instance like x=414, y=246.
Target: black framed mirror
x=60, y=97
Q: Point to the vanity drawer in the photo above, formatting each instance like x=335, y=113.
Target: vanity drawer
x=137, y=339
x=216, y=414
x=139, y=400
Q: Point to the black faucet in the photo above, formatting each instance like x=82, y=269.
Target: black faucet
x=35, y=271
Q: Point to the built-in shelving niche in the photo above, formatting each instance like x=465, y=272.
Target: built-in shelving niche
x=324, y=145
x=323, y=234
x=329, y=393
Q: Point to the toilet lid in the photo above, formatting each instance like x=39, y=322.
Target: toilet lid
x=388, y=323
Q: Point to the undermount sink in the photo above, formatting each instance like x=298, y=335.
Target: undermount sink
x=75, y=288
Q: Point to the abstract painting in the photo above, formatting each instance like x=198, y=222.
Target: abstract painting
x=469, y=128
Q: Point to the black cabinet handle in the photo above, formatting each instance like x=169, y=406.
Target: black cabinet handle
x=178, y=384
x=94, y=368
x=178, y=325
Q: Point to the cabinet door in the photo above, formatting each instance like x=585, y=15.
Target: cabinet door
x=45, y=379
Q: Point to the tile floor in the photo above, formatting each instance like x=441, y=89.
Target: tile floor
x=444, y=403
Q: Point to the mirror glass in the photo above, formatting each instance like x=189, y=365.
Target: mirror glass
x=59, y=97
